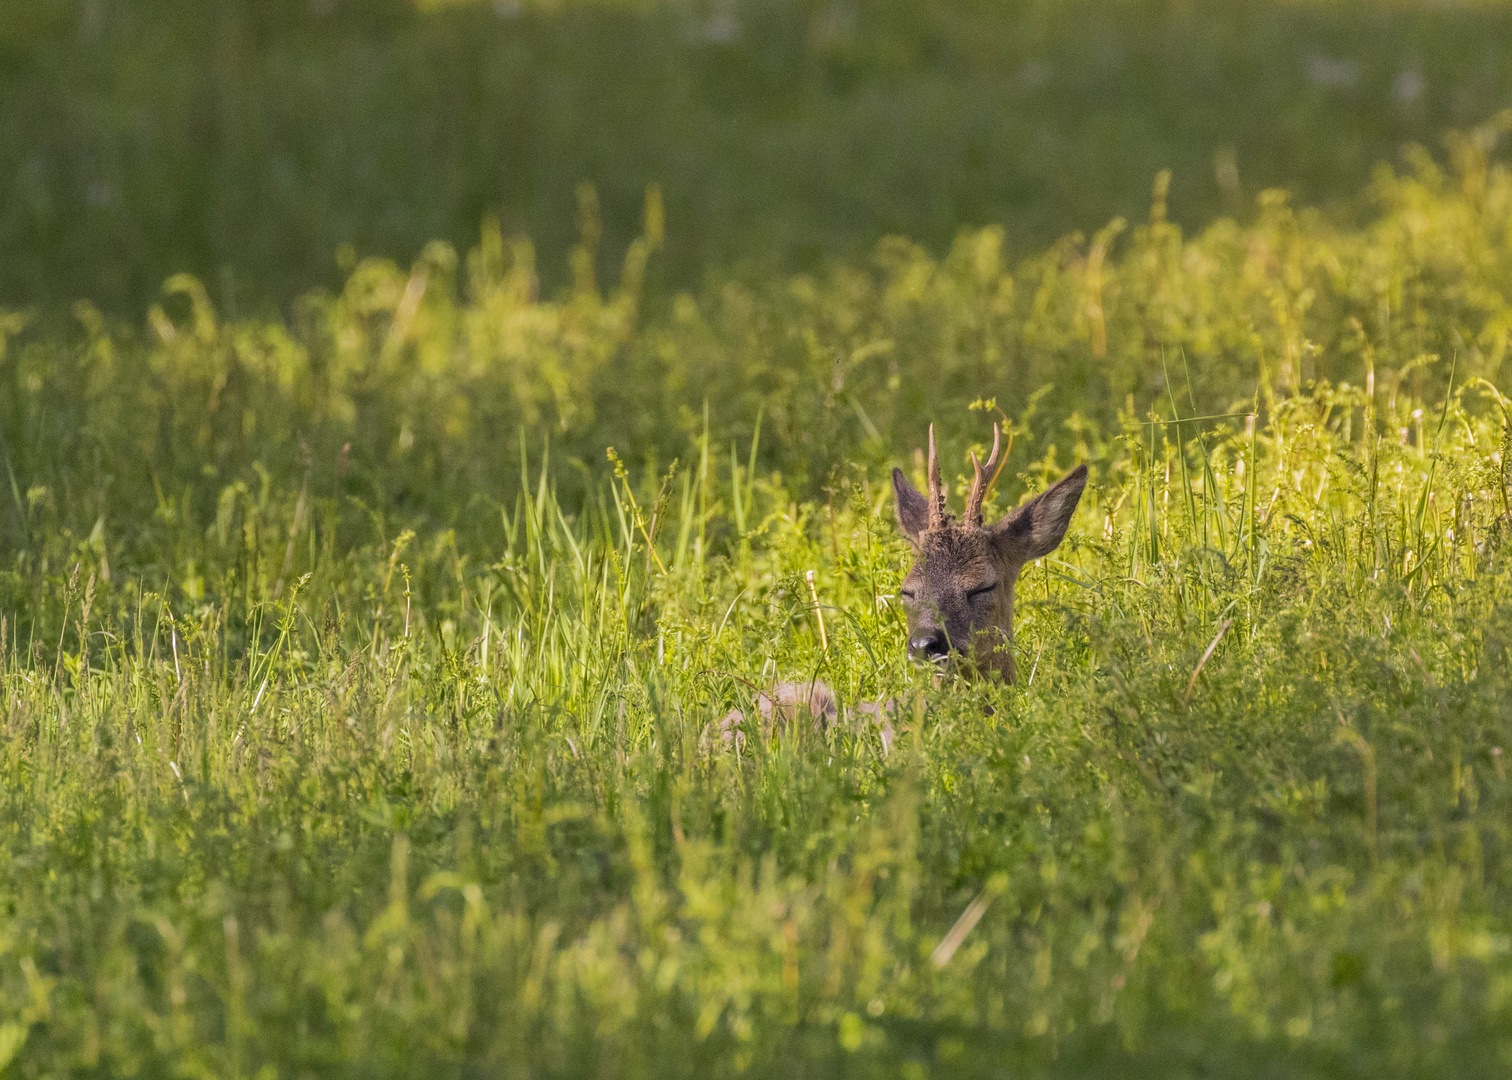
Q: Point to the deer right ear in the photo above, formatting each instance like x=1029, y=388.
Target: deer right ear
x=913, y=510
x=1037, y=528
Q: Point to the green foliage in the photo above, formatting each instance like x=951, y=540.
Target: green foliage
x=247, y=140
x=413, y=391
x=357, y=712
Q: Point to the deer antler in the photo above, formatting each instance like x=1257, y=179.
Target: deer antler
x=936, y=487
x=984, y=479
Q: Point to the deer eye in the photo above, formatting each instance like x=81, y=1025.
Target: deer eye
x=981, y=590
x=907, y=593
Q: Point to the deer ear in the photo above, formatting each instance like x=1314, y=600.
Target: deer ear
x=1037, y=528
x=913, y=511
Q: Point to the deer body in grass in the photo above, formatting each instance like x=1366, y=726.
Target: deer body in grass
x=958, y=594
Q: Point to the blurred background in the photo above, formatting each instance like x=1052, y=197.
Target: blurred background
x=264, y=145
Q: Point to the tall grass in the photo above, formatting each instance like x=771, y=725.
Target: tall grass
x=355, y=716
x=409, y=388
x=349, y=800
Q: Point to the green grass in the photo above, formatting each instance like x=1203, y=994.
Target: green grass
x=353, y=703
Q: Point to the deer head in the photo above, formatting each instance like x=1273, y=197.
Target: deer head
x=959, y=593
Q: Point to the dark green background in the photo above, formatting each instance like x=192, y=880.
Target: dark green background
x=246, y=141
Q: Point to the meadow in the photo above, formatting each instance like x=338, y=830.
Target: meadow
x=358, y=668
x=362, y=640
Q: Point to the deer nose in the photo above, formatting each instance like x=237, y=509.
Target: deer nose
x=929, y=645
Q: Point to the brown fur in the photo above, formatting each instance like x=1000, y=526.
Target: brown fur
x=784, y=705
x=958, y=595
x=789, y=704
x=952, y=561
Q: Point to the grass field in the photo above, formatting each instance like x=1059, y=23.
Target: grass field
x=357, y=665
x=354, y=703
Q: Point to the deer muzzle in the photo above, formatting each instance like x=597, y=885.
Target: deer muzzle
x=929, y=645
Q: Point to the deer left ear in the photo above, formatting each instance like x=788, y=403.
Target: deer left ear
x=1037, y=528
x=913, y=511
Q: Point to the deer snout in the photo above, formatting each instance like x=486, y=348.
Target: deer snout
x=929, y=644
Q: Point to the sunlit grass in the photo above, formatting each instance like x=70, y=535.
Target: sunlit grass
x=380, y=807
x=355, y=717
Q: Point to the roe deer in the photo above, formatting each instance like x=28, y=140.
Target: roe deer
x=958, y=595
